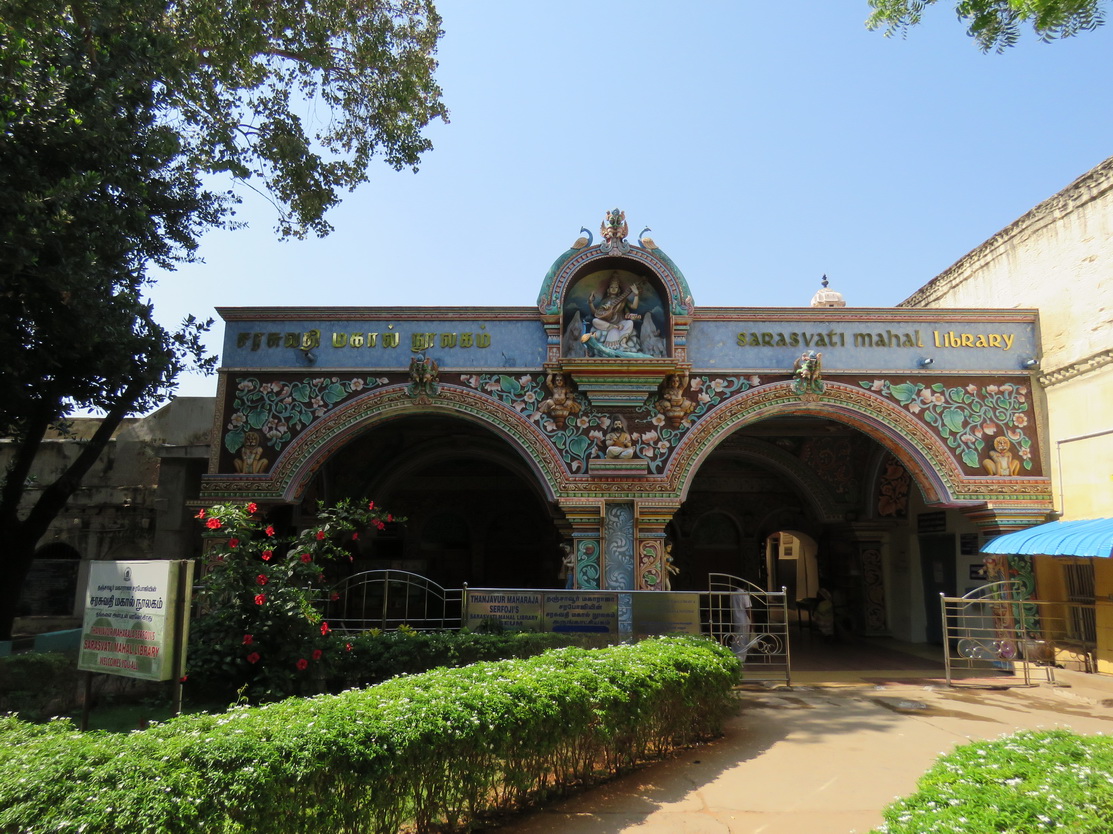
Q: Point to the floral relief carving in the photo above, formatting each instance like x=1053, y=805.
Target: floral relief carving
x=969, y=417
x=584, y=437
x=276, y=411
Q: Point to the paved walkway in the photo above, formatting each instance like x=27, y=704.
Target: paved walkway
x=822, y=756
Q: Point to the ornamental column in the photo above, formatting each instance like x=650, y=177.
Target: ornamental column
x=653, y=559
x=585, y=518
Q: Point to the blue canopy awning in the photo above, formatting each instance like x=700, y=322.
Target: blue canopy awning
x=1086, y=537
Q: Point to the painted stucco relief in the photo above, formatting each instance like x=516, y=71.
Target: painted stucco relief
x=968, y=417
x=267, y=415
x=584, y=437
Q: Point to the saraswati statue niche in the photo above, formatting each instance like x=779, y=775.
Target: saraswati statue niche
x=614, y=331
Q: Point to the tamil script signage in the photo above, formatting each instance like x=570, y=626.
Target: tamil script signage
x=585, y=612
x=387, y=343
x=131, y=616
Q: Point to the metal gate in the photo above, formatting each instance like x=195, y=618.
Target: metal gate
x=995, y=628
x=749, y=620
x=753, y=623
x=387, y=599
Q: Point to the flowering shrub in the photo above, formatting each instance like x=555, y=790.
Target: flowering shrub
x=261, y=632
x=1052, y=780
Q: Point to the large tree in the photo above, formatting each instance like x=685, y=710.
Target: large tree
x=996, y=24
x=114, y=114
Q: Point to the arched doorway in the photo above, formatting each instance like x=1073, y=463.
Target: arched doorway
x=474, y=512
x=791, y=501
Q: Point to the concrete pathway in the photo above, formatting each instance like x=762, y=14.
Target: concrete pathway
x=820, y=758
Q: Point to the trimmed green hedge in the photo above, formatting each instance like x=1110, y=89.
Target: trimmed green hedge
x=447, y=746
x=38, y=685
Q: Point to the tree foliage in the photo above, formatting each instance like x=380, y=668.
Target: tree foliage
x=114, y=115
x=996, y=24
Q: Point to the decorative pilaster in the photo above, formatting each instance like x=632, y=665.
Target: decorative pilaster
x=650, y=521
x=873, y=589
x=618, y=538
x=585, y=520
x=994, y=519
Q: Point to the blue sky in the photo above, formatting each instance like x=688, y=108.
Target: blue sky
x=763, y=149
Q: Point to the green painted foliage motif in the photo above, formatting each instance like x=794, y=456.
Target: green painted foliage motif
x=583, y=437
x=276, y=410
x=966, y=418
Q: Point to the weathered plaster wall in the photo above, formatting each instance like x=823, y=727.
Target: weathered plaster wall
x=1057, y=258
x=131, y=505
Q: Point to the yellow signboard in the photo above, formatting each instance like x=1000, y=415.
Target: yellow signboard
x=670, y=612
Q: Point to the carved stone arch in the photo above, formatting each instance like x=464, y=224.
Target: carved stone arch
x=923, y=454
x=814, y=493
x=736, y=525
x=876, y=472
x=299, y=463
x=787, y=520
x=490, y=449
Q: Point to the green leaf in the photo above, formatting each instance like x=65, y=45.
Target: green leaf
x=954, y=419
x=578, y=445
x=256, y=419
x=905, y=392
x=970, y=458
x=233, y=440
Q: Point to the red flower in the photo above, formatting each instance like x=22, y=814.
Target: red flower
x=347, y=647
x=213, y=523
x=254, y=657
x=261, y=579
x=320, y=535
x=183, y=679
x=260, y=599
x=248, y=639
x=233, y=542
x=252, y=508
x=267, y=555
x=335, y=596
x=390, y=517
x=302, y=664
x=325, y=629
x=355, y=537
x=371, y=506
x=270, y=530
x=200, y=514
x=379, y=525
x=316, y=654
x=306, y=558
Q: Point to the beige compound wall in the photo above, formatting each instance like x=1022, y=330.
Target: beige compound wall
x=1058, y=258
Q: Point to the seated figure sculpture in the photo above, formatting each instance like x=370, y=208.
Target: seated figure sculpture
x=619, y=444
x=612, y=321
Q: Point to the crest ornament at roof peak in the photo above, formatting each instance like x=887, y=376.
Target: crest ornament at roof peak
x=614, y=231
